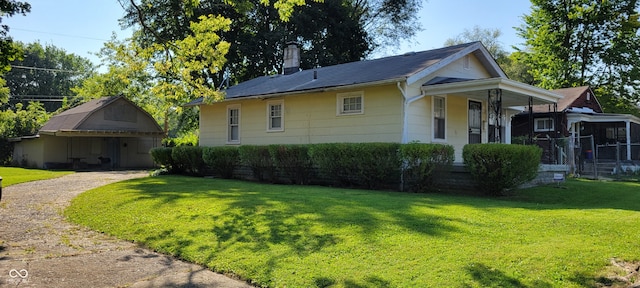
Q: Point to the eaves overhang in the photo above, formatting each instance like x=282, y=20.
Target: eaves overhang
x=102, y=133
x=514, y=93
x=394, y=81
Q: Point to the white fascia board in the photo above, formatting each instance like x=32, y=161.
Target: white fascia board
x=484, y=57
x=522, y=88
x=487, y=59
x=578, y=117
x=442, y=63
x=315, y=90
x=493, y=83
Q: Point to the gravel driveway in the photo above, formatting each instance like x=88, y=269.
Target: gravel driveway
x=39, y=248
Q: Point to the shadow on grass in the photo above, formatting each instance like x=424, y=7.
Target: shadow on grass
x=259, y=216
x=488, y=277
x=581, y=194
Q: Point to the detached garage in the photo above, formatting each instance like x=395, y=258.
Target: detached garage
x=105, y=133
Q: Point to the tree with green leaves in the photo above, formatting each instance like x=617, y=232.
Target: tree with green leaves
x=329, y=32
x=488, y=37
x=8, y=51
x=47, y=73
x=182, y=50
x=583, y=42
x=512, y=64
x=132, y=76
x=19, y=121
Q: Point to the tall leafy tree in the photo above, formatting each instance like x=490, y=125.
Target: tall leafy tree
x=512, y=64
x=8, y=51
x=488, y=37
x=582, y=42
x=45, y=72
x=19, y=121
x=330, y=32
x=132, y=76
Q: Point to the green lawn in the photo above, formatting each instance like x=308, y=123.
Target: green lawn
x=13, y=175
x=296, y=236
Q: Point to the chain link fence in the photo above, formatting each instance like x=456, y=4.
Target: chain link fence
x=577, y=154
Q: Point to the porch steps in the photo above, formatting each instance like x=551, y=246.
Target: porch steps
x=605, y=170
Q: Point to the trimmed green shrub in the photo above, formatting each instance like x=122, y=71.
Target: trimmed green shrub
x=258, y=159
x=162, y=157
x=188, y=159
x=421, y=162
x=223, y=160
x=372, y=165
x=498, y=167
x=292, y=161
x=377, y=164
x=333, y=161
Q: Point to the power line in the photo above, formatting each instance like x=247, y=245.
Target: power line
x=59, y=34
x=41, y=98
x=44, y=69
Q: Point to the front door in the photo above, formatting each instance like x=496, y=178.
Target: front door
x=475, y=122
x=113, y=152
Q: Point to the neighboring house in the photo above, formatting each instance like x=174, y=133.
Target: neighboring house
x=107, y=133
x=580, y=117
x=454, y=95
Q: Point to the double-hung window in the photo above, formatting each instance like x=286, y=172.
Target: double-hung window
x=543, y=124
x=275, y=116
x=350, y=103
x=439, y=116
x=233, y=124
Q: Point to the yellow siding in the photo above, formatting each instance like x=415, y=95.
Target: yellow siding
x=457, y=69
x=309, y=118
x=420, y=121
x=457, y=124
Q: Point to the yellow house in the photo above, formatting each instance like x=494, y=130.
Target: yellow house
x=105, y=133
x=454, y=95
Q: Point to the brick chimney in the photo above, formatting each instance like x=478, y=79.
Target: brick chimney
x=291, y=59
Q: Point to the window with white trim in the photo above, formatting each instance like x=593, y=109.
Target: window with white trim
x=233, y=124
x=439, y=116
x=543, y=124
x=350, y=103
x=275, y=116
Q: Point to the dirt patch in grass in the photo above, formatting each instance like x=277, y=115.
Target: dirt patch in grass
x=620, y=274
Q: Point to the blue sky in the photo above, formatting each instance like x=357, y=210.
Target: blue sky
x=82, y=26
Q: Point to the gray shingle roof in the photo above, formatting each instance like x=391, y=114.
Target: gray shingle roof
x=570, y=95
x=72, y=118
x=394, y=68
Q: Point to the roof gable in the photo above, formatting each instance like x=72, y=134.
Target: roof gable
x=407, y=67
x=574, y=97
x=71, y=118
x=99, y=114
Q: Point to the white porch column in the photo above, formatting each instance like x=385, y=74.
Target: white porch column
x=572, y=145
x=507, y=128
x=628, y=132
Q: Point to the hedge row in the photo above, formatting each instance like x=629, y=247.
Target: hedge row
x=370, y=165
x=495, y=168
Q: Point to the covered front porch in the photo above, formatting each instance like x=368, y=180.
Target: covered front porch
x=614, y=137
x=501, y=99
